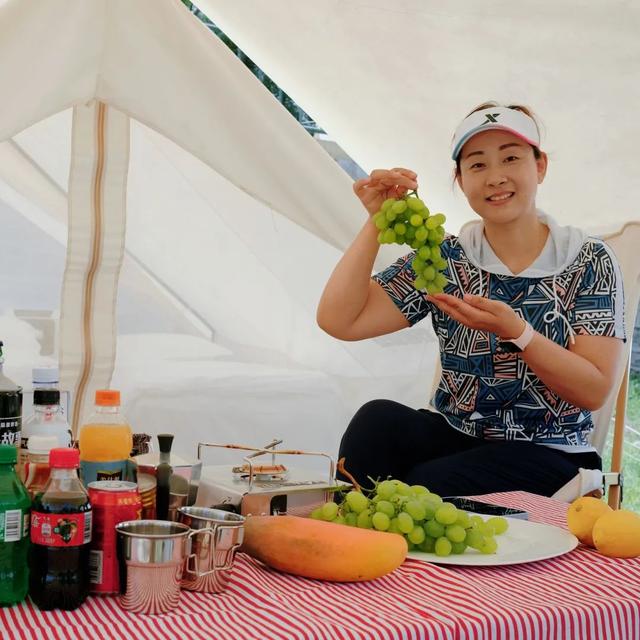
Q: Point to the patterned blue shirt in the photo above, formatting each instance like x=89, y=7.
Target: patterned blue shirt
x=490, y=394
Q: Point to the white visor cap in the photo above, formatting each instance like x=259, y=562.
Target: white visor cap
x=512, y=120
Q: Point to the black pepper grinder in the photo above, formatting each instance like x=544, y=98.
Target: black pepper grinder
x=163, y=476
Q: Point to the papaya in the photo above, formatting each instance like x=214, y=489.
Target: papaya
x=322, y=550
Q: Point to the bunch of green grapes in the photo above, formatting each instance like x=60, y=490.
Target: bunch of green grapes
x=408, y=221
x=423, y=518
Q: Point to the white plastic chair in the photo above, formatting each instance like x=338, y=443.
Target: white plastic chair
x=625, y=242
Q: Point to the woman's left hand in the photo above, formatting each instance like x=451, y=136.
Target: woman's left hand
x=477, y=312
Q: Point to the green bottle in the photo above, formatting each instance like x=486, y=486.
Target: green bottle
x=14, y=530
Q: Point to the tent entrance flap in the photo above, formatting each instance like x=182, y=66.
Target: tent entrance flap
x=95, y=249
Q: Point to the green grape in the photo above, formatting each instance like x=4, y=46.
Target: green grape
x=316, y=514
x=389, y=236
x=440, y=264
x=429, y=510
x=364, y=520
x=434, y=238
x=440, y=280
x=399, y=206
x=380, y=221
x=380, y=521
x=418, y=265
x=405, y=522
x=386, y=489
x=435, y=253
x=402, y=488
x=329, y=510
x=442, y=547
x=416, y=535
x=500, y=525
x=384, y=506
x=458, y=547
x=476, y=521
x=486, y=529
x=416, y=244
x=393, y=526
x=381, y=237
x=390, y=215
x=410, y=233
x=415, y=204
x=415, y=220
x=339, y=520
x=429, y=274
x=455, y=533
x=434, y=529
x=387, y=203
x=434, y=499
x=463, y=519
x=489, y=545
x=421, y=234
x=431, y=223
x=474, y=539
x=424, y=253
x=415, y=509
x=428, y=544
x=420, y=283
x=418, y=489
x=446, y=513
x=432, y=288
x=439, y=219
x=351, y=519
x=357, y=501
x=400, y=228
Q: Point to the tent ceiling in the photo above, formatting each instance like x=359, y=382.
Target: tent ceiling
x=391, y=80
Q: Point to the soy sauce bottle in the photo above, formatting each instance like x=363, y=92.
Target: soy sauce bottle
x=60, y=536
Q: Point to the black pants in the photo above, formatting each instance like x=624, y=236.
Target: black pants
x=386, y=438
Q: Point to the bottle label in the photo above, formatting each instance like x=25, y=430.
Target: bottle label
x=115, y=470
x=61, y=529
x=14, y=525
x=10, y=429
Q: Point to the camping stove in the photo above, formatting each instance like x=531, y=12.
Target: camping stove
x=264, y=486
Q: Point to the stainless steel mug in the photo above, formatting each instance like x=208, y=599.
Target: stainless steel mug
x=151, y=557
x=208, y=566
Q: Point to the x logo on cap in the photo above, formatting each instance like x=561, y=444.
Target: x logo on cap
x=491, y=117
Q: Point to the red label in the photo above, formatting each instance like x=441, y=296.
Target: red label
x=61, y=529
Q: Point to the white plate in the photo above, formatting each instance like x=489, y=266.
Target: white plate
x=524, y=541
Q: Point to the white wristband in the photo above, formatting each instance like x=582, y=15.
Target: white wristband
x=525, y=337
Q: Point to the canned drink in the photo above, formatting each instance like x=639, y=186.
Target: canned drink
x=112, y=502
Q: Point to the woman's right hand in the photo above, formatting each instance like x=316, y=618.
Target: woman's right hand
x=383, y=184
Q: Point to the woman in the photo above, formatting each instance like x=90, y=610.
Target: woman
x=530, y=328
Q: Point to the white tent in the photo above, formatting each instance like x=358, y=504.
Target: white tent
x=131, y=136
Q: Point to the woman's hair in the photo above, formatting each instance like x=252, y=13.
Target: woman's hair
x=516, y=107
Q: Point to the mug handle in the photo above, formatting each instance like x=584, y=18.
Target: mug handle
x=215, y=532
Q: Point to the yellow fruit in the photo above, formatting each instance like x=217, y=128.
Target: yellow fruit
x=617, y=534
x=582, y=515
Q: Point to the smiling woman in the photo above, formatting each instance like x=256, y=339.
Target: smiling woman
x=530, y=327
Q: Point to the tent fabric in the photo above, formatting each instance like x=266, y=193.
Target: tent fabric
x=95, y=250
x=410, y=71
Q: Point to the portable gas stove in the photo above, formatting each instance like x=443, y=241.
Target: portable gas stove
x=259, y=487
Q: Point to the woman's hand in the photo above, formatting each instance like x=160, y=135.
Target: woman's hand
x=383, y=184
x=477, y=312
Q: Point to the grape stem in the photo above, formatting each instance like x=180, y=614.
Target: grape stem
x=344, y=472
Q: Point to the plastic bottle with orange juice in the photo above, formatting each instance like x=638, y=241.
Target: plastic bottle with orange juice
x=105, y=441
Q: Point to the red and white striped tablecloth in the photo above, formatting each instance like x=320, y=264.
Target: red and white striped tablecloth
x=578, y=596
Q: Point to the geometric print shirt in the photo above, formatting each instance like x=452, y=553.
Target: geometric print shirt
x=493, y=395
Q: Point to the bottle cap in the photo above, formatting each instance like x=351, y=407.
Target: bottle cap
x=108, y=398
x=46, y=375
x=46, y=396
x=8, y=454
x=39, y=445
x=64, y=458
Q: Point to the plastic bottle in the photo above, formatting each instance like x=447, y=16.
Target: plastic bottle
x=35, y=471
x=46, y=420
x=10, y=408
x=49, y=378
x=60, y=537
x=105, y=441
x=14, y=530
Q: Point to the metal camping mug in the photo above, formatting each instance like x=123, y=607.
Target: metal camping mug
x=151, y=557
x=209, y=564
